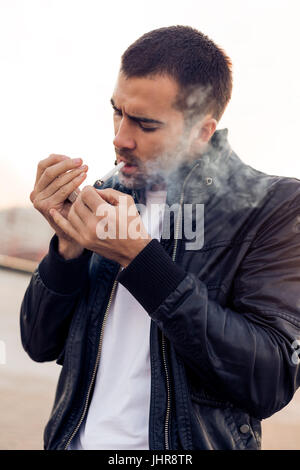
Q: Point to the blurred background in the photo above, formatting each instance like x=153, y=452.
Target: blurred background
x=58, y=65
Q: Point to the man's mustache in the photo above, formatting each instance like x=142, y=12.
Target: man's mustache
x=131, y=159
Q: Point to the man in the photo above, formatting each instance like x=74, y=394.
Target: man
x=167, y=343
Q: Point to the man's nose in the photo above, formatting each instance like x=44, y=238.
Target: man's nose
x=124, y=136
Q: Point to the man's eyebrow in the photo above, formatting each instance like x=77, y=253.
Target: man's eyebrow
x=138, y=118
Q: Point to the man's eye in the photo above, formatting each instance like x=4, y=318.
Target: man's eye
x=117, y=112
x=148, y=129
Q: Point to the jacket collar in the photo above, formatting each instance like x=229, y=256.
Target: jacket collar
x=198, y=176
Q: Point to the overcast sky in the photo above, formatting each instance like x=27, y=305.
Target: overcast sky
x=59, y=60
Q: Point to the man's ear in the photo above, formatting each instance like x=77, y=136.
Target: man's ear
x=201, y=133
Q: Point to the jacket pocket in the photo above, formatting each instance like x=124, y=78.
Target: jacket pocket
x=217, y=424
x=245, y=429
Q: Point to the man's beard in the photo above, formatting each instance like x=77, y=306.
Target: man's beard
x=140, y=180
x=154, y=171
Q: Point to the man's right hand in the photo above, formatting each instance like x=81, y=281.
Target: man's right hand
x=57, y=176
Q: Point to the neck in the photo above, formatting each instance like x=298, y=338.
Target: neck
x=157, y=186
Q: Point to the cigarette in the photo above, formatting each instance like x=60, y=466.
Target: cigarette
x=101, y=181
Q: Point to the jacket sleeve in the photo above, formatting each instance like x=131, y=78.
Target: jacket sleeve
x=245, y=351
x=49, y=302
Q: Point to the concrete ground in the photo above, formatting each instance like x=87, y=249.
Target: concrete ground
x=27, y=388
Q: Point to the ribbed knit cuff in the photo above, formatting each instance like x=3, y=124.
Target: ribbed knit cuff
x=151, y=276
x=60, y=275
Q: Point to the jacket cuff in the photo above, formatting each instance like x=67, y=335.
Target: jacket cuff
x=151, y=276
x=60, y=275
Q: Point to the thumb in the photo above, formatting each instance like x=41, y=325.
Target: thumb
x=109, y=195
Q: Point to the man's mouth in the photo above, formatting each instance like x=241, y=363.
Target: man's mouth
x=128, y=168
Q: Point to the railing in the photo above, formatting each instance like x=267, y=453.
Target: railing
x=17, y=264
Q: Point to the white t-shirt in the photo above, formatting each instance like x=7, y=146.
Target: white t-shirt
x=118, y=415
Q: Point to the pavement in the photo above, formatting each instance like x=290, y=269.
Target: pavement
x=27, y=388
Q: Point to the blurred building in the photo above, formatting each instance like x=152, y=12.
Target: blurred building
x=24, y=233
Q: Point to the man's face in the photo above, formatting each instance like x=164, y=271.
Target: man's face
x=149, y=131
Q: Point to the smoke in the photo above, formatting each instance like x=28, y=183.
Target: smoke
x=214, y=176
x=193, y=105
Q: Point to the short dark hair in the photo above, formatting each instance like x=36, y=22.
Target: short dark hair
x=192, y=59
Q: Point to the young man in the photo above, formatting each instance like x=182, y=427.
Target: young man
x=167, y=343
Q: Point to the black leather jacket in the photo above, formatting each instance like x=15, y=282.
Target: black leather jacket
x=224, y=316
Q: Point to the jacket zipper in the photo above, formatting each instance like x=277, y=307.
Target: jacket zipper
x=176, y=231
x=97, y=358
x=168, y=411
x=96, y=365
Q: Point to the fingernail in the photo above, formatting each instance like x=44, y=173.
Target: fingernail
x=83, y=167
x=76, y=160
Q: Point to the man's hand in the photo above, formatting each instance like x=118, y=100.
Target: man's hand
x=57, y=176
x=106, y=222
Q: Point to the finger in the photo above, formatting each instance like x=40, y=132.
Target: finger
x=64, y=192
x=61, y=181
x=112, y=196
x=55, y=170
x=77, y=222
x=91, y=198
x=51, y=160
x=65, y=225
x=82, y=211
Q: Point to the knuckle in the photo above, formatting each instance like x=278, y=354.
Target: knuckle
x=86, y=189
x=36, y=204
x=54, y=157
x=47, y=172
x=31, y=196
x=39, y=205
x=64, y=192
